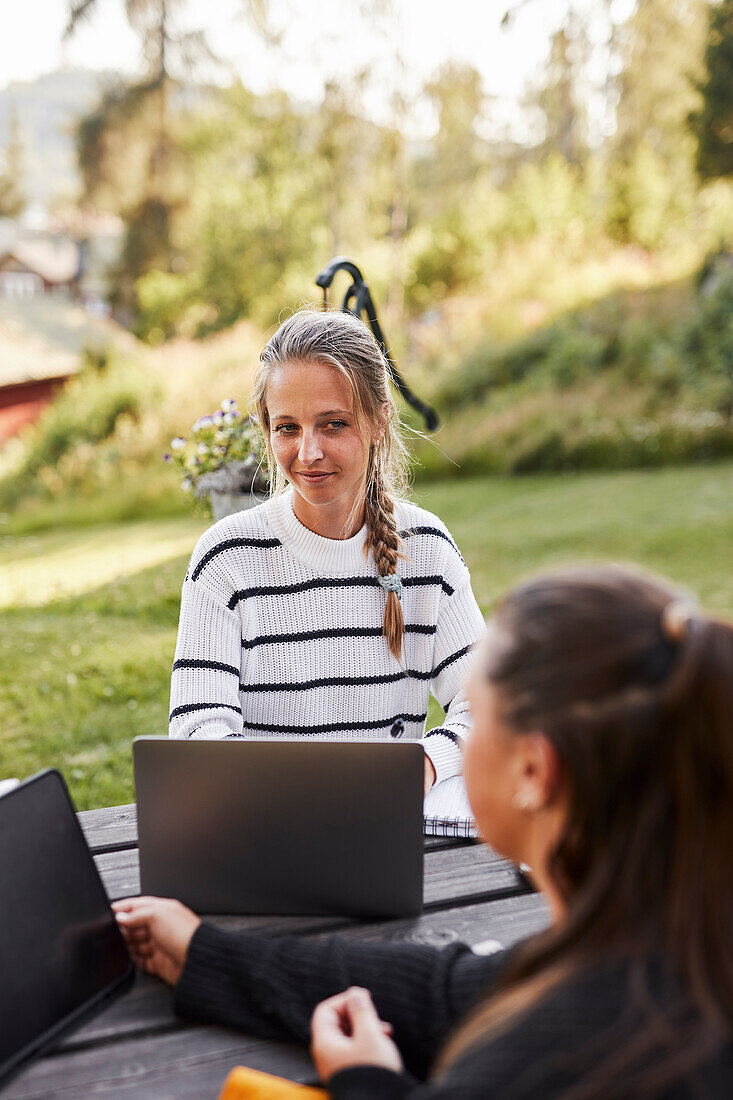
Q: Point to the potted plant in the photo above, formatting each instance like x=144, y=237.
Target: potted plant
x=219, y=460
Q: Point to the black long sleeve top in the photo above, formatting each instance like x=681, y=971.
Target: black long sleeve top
x=269, y=986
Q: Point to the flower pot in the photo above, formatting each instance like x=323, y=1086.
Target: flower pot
x=226, y=504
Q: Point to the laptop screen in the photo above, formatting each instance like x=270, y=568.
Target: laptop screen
x=60, y=949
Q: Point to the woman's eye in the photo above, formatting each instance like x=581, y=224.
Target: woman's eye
x=285, y=429
x=336, y=424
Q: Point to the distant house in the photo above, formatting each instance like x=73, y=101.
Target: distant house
x=47, y=265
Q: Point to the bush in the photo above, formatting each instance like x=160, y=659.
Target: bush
x=631, y=381
x=85, y=414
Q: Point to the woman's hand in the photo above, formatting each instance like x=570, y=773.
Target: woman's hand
x=346, y=1031
x=430, y=775
x=157, y=932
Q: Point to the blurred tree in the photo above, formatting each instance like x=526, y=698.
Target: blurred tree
x=712, y=124
x=562, y=98
x=254, y=231
x=12, y=199
x=343, y=156
x=128, y=150
x=457, y=95
x=662, y=46
x=651, y=158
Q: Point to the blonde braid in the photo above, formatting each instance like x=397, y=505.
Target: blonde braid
x=385, y=543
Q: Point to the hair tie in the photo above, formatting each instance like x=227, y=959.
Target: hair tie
x=676, y=617
x=391, y=583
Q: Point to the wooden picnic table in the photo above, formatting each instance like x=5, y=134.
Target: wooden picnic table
x=138, y=1049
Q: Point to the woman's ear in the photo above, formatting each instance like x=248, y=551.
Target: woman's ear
x=538, y=777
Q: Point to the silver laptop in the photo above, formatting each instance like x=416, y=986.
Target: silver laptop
x=242, y=826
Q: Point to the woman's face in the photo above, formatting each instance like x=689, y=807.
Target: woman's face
x=514, y=779
x=315, y=437
x=489, y=767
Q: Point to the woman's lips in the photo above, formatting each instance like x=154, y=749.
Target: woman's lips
x=314, y=477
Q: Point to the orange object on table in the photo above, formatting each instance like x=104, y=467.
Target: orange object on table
x=250, y=1084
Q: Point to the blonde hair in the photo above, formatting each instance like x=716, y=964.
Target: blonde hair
x=340, y=340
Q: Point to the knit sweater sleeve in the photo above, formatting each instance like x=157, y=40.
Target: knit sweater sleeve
x=205, y=700
x=269, y=986
x=460, y=625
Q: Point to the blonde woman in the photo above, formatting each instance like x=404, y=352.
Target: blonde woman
x=336, y=607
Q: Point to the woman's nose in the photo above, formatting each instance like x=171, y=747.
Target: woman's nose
x=310, y=448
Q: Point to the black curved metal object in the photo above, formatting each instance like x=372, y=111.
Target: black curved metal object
x=358, y=300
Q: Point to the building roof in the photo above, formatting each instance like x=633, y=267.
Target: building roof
x=55, y=259
x=43, y=336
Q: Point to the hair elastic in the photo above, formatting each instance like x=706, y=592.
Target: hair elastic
x=676, y=617
x=391, y=583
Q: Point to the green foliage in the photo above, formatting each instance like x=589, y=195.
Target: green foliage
x=651, y=198
x=712, y=124
x=248, y=236
x=707, y=343
x=443, y=256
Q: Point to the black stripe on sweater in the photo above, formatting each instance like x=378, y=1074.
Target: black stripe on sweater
x=335, y=632
x=356, y=681
x=230, y=544
x=195, y=662
x=449, y=660
x=445, y=733
x=337, y=727
x=410, y=531
x=338, y=681
x=191, y=708
x=330, y=582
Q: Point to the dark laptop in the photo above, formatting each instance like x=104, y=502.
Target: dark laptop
x=61, y=954
x=286, y=826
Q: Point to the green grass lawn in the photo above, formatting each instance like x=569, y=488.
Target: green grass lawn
x=88, y=615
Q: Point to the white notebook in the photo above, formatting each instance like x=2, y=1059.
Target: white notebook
x=446, y=811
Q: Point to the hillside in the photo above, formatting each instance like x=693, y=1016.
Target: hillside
x=639, y=377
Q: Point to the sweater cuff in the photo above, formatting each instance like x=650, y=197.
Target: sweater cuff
x=206, y=977
x=370, y=1083
x=443, y=746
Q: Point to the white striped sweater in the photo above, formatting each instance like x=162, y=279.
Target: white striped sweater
x=280, y=634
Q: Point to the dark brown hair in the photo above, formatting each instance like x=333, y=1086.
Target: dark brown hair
x=344, y=342
x=634, y=688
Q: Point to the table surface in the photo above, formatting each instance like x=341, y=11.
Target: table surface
x=137, y=1048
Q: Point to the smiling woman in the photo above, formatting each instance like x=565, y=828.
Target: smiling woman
x=337, y=606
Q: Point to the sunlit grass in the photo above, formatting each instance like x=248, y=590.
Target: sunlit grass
x=37, y=569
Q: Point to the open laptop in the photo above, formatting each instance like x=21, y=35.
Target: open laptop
x=287, y=826
x=62, y=956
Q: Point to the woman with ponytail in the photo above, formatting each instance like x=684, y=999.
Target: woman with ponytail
x=334, y=608
x=601, y=755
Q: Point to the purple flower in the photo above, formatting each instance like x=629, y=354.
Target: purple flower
x=166, y=457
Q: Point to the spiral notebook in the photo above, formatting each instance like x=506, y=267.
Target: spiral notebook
x=446, y=810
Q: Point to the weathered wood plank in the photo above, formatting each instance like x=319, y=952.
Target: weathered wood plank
x=188, y=1064
x=111, y=828
x=149, y=1005
x=471, y=871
